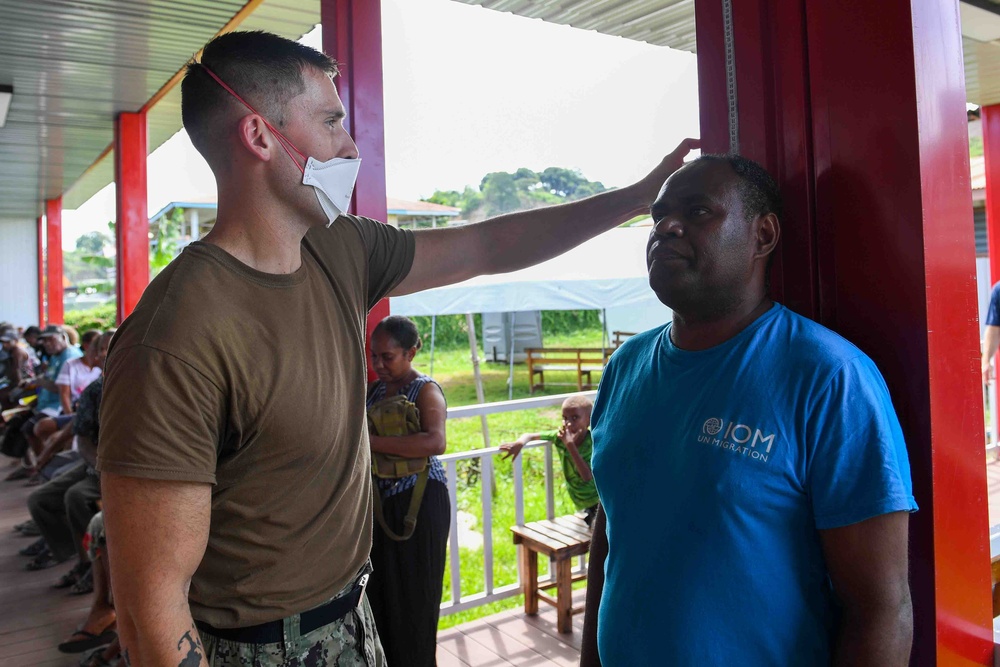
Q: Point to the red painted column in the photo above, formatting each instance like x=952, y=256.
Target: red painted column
x=132, y=226
x=352, y=34
x=858, y=109
x=54, y=259
x=40, y=258
x=991, y=156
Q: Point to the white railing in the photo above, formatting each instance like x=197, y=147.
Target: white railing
x=461, y=600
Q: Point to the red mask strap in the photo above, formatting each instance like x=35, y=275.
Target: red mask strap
x=281, y=138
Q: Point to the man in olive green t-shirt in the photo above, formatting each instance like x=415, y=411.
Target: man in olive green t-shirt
x=235, y=472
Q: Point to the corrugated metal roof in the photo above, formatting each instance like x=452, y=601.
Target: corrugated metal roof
x=660, y=22
x=75, y=64
x=671, y=23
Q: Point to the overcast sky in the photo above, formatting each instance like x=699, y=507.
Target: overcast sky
x=469, y=91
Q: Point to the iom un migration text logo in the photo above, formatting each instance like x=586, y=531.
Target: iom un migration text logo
x=712, y=426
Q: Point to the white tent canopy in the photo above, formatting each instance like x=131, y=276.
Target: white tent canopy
x=608, y=271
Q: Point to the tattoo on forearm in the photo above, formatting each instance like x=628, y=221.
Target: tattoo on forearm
x=194, y=656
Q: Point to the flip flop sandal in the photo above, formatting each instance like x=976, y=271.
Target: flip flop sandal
x=44, y=561
x=30, y=530
x=24, y=524
x=96, y=659
x=89, y=640
x=84, y=585
x=35, y=548
x=73, y=576
x=20, y=473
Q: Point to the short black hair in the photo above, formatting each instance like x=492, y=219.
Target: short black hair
x=263, y=68
x=32, y=331
x=401, y=329
x=759, y=193
x=89, y=336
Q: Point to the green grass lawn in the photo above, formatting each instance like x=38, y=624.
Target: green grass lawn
x=453, y=370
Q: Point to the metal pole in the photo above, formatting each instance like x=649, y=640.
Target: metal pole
x=510, y=359
x=474, y=351
x=54, y=260
x=433, y=334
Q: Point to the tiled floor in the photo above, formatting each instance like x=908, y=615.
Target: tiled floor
x=34, y=617
x=511, y=638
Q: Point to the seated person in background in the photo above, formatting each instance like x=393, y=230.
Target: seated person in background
x=574, y=444
x=35, y=348
x=48, y=404
x=73, y=335
x=19, y=369
x=56, y=433
x=98, y=633
x=77, y=374
x=62, y=508
x=98, y=627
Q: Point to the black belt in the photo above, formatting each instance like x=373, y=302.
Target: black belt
x=272, y=632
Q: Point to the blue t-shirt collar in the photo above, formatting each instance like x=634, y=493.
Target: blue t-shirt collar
x=679, y=355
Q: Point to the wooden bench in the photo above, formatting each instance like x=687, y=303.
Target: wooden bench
x=580, y=360
x=560, y=539
x=620, y=337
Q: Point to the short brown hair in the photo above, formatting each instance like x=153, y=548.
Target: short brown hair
x=263, y=68
x=578, y=401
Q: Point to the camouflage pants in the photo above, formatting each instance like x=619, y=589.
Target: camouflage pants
x=351, y=641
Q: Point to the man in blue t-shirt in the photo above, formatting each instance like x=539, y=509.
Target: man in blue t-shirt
x=752, y=471
x=48, y=404
x=991, y=333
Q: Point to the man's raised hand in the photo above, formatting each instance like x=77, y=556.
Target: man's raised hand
x=650, y=185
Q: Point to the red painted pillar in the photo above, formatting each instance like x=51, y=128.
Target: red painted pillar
x=40, y=258
x=991, y=156
x=352, y=34
x=132, y=226
x=54, y=259
x=858, y=109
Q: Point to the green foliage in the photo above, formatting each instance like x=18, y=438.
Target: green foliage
x=469, y=200
x=452, y=333
x=100, y=317
x=569, y=322
x=503, y=192
x=166, y=232
x=93, y=243
x=87, y=265
x=568, y=183
x=975, y=146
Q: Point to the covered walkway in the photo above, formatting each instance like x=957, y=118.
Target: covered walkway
x=832, y=97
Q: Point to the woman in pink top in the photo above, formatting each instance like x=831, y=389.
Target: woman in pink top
x=76, y=374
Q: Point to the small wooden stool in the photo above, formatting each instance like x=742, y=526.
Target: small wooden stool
x=560, y=539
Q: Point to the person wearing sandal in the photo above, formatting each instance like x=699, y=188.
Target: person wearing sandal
x=63, y=507
x=99, y=628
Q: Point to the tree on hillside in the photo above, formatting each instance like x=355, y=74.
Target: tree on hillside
x=503, y=192
x=469, y=200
